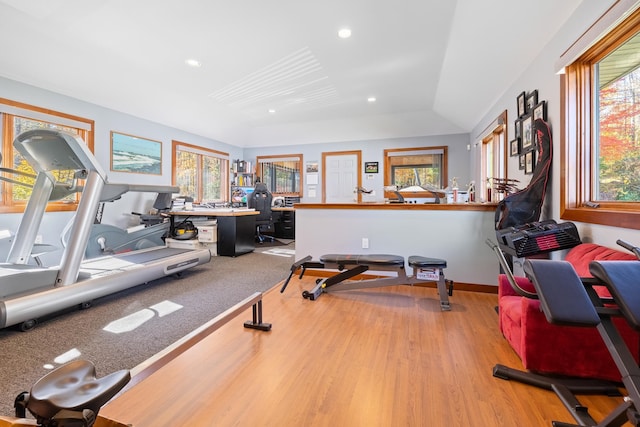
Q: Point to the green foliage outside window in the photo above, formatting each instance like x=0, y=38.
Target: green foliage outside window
x=21, y=193
x=200, y=176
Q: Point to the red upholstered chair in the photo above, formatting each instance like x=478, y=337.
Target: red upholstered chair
x=562, y=350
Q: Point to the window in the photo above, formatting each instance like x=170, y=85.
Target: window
x=425, y=167
x=281, y=174
x=200, y=173
x=493, y=157
x=18, y=175
x=601, y=127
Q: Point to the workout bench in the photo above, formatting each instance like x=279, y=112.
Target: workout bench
x=576, y=303
x=349, y=266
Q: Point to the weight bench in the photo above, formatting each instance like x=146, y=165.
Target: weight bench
x=576, y=303
x=349, y=266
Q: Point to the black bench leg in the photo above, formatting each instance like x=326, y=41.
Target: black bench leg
x=444, y=292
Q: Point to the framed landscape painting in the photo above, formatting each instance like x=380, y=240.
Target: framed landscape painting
x=135, y=154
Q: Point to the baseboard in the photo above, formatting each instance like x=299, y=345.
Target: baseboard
x=457, y=286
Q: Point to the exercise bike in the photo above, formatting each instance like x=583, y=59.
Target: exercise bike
x=108, y=239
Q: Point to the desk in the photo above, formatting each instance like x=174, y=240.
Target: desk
x=236, y=228
x=284, y=222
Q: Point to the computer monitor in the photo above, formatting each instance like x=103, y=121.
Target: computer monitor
x=239, y=194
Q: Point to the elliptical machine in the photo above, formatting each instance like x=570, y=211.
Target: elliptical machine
x=106, y=239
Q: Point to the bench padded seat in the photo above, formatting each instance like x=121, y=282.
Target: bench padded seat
x=371, y=260
x=416, y=261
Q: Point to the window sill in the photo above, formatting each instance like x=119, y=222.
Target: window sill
x=603, y=216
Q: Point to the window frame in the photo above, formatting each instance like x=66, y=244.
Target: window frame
x=578, y=131
x=225, y=185
x=392, y=152
x=496, y=134
x=271, y=158
x=10, y=109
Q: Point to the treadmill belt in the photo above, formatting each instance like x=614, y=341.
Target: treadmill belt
x=130, y=260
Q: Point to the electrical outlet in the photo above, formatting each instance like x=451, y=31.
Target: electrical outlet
x=365, y=243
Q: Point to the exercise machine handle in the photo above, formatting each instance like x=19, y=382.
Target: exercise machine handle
x=628, y=246
x=294, y=268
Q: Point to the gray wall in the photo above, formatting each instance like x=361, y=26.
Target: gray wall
x=106, y=120
x=463, y=164
x=541, y=75
x=373, y=151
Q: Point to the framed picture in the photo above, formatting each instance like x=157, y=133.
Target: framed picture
x=527, y=133
x=521, y=162
x=514, y=147
x=135, y=154
x=370, y=167
x=529, y=161
x=521, y=102
x=540, y=111
x=517, y=127
x=532, y=101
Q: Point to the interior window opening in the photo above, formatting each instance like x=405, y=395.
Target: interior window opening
x=281, y=174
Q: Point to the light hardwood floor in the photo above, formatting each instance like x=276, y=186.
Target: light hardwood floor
x=377, y=357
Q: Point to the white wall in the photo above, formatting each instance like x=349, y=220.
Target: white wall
x=541, y=75
x=457, y=236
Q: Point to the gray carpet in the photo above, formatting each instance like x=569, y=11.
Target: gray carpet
x=203, y=292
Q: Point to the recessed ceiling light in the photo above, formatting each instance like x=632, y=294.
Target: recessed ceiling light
x=371, y=99
x=272, y=111
x=344, y=33
x=193, y=63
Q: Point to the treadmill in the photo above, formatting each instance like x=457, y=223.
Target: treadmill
x=29, y=292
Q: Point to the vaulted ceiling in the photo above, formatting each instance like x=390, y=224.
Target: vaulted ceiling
x=276, y=72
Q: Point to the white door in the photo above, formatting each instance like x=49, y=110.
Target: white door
x=341, y=177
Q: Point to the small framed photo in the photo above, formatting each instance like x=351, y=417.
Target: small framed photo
x=514, y=147
x=529, y=161
x=540, y=111
x=527, y=133
x=517, y=127
x=532, y=101
x=522, y=104
x=370, y=167
x=521, y=162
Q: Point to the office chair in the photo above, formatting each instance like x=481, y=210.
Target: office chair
x=260, y=200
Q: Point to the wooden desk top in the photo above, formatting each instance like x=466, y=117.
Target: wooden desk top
x=216, y=212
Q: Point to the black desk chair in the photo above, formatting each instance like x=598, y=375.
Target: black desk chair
x=260, y=200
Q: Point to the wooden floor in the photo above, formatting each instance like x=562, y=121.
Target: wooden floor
x=381, y=357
